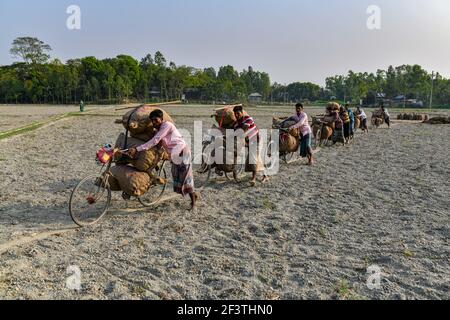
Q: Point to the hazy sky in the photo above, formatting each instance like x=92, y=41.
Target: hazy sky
x=292, y=40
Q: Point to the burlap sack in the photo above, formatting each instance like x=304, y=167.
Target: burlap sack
x=333, y=106
x=113, y=183
x=110, y=180
x=139, y=120
x=131, y=181
x=145, y=136
x=439, y=120
x=146, y=160
x=225, y=117
x=227, y=154
x=377, y=122
x=288, y=144
x=378, y=114
x=281, y=123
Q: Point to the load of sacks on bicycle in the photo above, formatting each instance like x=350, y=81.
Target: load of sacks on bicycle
x=151, y=138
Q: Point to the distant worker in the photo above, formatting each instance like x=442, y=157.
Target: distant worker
x=343, y=114
x=252, y=140
x=387, y=117
x=302, y=124
x=81, y=106
x=351, y=115
x=362, y=115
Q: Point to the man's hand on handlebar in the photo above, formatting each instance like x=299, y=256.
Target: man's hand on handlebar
x=132, y=152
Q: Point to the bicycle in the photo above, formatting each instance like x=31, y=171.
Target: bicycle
x=91, y=198
x=205, y=165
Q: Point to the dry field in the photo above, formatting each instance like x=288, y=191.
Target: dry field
x=310, y=233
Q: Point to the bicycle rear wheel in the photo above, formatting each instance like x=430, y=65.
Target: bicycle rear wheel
x=90, y=200
x=154, y=195
x=289, y=157
x=201, y=169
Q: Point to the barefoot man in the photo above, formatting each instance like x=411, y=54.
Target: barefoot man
x=253, y=163
x=302, y=124
x=172, y=141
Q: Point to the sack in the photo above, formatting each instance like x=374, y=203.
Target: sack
x=139, y=121
x=281, y=123
x=131, y=181
x=378, y=114
x=333, y=106
x=146, y=160
x=111, y=181
x=288, y=143
x=225, y=117
x=231, y=154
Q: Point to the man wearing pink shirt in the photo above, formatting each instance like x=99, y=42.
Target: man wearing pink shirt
x=305, y=132
x=172, y=141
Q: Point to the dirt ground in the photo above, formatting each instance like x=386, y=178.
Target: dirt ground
x=310, y=233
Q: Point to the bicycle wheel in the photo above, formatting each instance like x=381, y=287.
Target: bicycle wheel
x=154, y=195
x=201, y=169
x=90, y=200
x=289, y=157
x=202, y=176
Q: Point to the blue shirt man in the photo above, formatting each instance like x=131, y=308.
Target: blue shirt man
x=351, y=116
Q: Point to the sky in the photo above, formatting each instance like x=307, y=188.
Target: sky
x=292, y=40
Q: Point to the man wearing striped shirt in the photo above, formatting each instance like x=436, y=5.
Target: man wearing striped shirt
x=253, y=162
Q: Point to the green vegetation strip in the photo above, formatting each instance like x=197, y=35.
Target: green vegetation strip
x=38, y=124
x=32, y=126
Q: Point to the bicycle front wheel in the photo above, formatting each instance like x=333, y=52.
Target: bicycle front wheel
x=90, y=200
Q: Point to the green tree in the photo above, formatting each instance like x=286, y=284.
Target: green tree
x=30, y=50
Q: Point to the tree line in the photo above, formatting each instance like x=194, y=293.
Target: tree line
x=37, y=79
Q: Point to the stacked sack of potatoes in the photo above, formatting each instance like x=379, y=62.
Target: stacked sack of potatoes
x=288, y=140
x=225, y=119
x=136, y=176
x=413, y=116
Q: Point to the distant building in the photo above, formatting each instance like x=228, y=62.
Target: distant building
x=413, y=103
x=255, y=98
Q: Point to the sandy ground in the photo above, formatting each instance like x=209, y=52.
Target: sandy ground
x=310, y=233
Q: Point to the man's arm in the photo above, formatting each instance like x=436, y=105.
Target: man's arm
x=299, y=124
x=163, y=131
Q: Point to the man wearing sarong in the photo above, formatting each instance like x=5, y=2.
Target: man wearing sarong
x=333, y=121
x=172, y=141
x=387, y=117
x=360, y=112
x=343, y=114
x=253, y=162
x=351, y=115
x=302, y=124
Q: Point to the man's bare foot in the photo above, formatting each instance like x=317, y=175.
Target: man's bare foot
x=265, y=179
x=194, y=198
x=253, y=183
